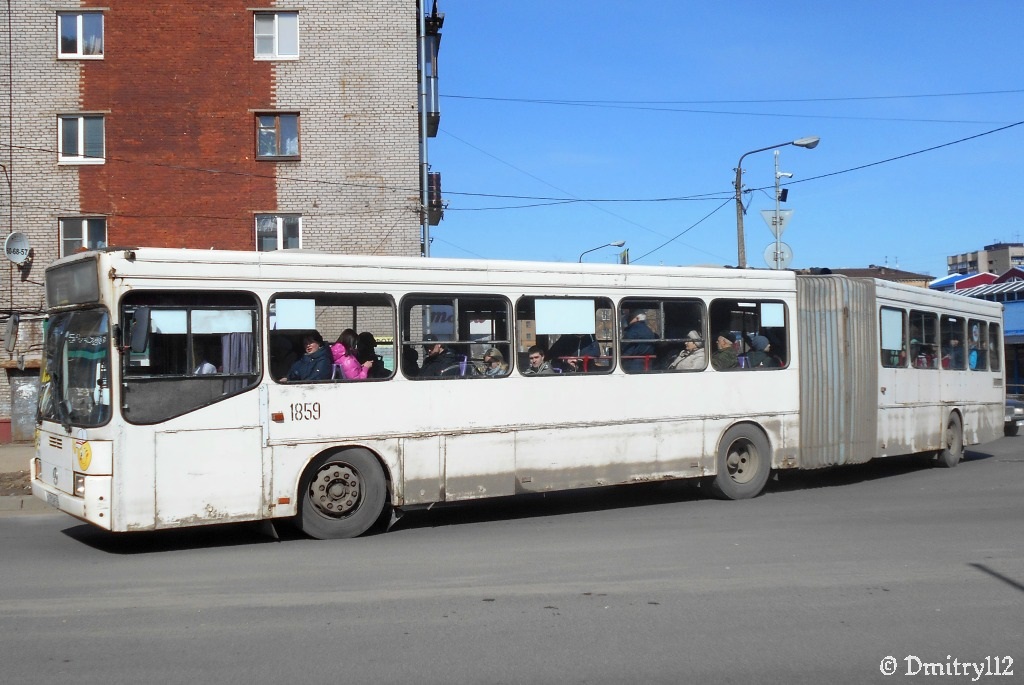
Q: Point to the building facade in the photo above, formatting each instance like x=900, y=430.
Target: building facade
x=994, y=259
x=219, y=124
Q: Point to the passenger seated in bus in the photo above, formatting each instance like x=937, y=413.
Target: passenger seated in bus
x=204, y=367
x=725, y=356
x=692, y=356
x=343, y=353
x=440, y=360
x=282, y=355
x=759, y=356
x=636, y=355
x=539, y=366
x=574, y=352
x=494, y=363
x=315, y=364
x=366, y=351
x=410, y=361
x=953, y=355
x=921, y=355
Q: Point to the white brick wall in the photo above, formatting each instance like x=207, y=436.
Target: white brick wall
x=356, y=88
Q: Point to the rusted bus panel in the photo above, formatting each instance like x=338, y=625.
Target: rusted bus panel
x=837, y=334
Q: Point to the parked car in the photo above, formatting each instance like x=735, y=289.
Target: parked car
x=1014, y=417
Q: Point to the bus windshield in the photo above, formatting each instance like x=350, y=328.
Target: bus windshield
x=75, y=379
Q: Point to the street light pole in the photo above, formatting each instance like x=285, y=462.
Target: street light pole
x=617, y=243
x=810, y=143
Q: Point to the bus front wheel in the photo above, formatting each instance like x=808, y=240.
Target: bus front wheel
x=744, y=463
x=343, y=495
x=953, y=441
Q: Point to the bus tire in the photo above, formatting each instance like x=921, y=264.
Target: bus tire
x=342, y=495
x=953, y=443
x=744, y=463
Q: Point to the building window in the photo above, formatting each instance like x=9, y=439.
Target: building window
x=277, y=136
x=82, y=234
x=81, y=139
x=276, y=35
x=278, y=232
x=80, y=35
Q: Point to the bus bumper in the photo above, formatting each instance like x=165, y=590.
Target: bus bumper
x=93, y=506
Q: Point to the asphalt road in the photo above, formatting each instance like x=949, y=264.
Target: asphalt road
x=816, y=581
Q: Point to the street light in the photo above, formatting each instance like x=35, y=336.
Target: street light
x=810, y=143
x=617, y=243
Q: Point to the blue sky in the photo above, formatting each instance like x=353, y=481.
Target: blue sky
x=659, y=99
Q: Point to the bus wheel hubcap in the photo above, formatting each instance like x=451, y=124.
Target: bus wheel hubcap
x=335, y=490
x=741, y=462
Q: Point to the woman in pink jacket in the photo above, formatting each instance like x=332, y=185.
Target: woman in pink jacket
x=344, y=352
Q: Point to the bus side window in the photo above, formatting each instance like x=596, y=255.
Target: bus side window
x=292, y=315
x=952, y=335
x=199, y=349
x=924, y=336
x=892, y=329
x=760, y=331
x=571, y=335
x=455, y=336
x=995, y=355
x=977, y=345
x=662, y=335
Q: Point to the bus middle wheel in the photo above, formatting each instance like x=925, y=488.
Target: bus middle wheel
x=744, y=463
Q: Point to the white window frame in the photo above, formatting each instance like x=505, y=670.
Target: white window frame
x=83, y=225
x=279, y=221
x=275, y=37
x=80, y=21
x=80, y=157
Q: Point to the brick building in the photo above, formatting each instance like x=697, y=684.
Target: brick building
x=215, y=124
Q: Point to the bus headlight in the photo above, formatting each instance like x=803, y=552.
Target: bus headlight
x=79, y=485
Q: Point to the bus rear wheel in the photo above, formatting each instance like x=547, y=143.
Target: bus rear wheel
x=744, y=463
x=343, y=495
x=953, y=441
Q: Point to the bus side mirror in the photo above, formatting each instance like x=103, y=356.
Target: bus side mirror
x=140, y=330
x=11, y=333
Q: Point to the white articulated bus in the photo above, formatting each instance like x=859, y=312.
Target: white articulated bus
x=188, y=387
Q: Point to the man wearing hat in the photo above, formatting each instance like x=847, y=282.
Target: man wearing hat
x=438, y=357
x=758, y=355
x=725, y=354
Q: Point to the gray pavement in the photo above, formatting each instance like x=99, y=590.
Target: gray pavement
x=14, y=458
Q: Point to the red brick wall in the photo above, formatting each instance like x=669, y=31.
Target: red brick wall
x=178, y=87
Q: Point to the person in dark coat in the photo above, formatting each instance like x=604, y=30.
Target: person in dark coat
x=315, y=364
x=759, y=354
x=440, y=360
x=725, y=356
x=639, y=331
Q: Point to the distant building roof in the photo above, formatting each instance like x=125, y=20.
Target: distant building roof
x=887, y=273
x=947, y=282
x=974, y=280
x=1014, y=274
x=998, y=292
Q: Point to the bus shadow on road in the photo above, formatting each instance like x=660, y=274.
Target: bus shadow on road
x=539, y=505
x=524, y=506
x=177, y=539
x=876, y=469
